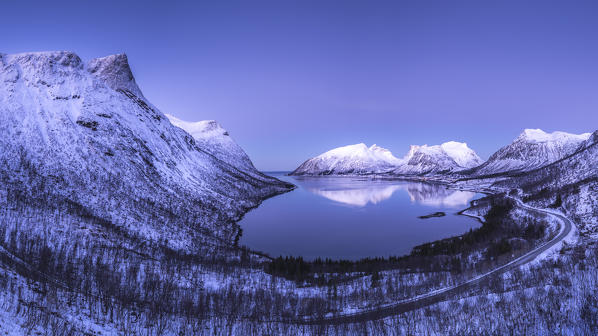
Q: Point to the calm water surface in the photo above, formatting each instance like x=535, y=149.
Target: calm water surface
x=353, y=218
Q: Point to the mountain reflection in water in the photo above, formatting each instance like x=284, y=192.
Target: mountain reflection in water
x=438, y=195
x=357, y=197
x=361, y=192
x=353, y=218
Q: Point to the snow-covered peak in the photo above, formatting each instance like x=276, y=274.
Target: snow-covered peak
x=377, y=148
x=40, y=68
x=215, y=140
x=538, y=135
x=463, y=155
x=424, y=149
x=361, y=151
x=352, y=159
x=199, y=129
x=458, y=152
x=62, y=58
x=414, y=149
x=115, y=71
x=350, y=150
x=438, y=159
x=592, y=140
x=64, y=68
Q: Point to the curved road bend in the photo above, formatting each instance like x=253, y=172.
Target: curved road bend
x=448, y=292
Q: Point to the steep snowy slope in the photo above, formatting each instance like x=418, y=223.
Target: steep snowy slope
x=354, y=159
x=210, y=136
x=85, y=135
x=448, y=157
x=574, y=178
x=532, y=149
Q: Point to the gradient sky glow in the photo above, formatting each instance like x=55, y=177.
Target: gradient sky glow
x=292, y=79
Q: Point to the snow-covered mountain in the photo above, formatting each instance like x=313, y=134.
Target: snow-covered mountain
x=445, y=158
x=210, y=136
x=420, y=160
x=84, y=135
x=354, y=159
x=532, y=149
x=574, y=178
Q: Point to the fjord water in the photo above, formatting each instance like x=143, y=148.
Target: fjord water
x=354, y=217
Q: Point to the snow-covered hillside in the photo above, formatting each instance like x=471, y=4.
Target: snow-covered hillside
x=532, y=149
x=354, y=159
x=210, y=136
x=85, y=134
x=573, y=178
x=445, y=158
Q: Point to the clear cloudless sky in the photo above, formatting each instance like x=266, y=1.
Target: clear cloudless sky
x=292, y=79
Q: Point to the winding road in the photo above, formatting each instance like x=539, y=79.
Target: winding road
x=444, y=294
x=380, y=312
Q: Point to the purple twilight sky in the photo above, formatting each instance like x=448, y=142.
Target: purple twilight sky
x=292, y=79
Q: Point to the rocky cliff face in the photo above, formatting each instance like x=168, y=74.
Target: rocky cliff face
x=84, y=134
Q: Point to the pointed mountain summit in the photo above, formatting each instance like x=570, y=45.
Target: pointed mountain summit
x=116, y=72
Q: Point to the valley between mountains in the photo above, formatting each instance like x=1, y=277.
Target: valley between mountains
x=117, y=218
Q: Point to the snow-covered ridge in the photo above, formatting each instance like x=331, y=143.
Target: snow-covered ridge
x=463, y=155
x=458, y=151
x=532, y=149
x=361, y=151
x=538, y=135
x=216, y=140
x=114, y=70
x=448, y=157
x=360, y=160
